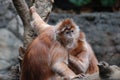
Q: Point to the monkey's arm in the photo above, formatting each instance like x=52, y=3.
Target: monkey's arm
x=37, y=20
x=81, y=62
x=59, y=62
x=62, y=69
x=93, y=66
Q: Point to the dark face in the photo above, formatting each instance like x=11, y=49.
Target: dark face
x=104, y=70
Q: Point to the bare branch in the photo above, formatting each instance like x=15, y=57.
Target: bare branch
x=24, y=14
x=23, y=11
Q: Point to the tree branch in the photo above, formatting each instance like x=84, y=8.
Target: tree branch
x=24, y=14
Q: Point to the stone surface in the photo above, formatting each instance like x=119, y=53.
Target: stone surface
x=9, y=46
x=4, y=64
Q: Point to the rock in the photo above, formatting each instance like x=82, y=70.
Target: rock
x=12, y=25
x=115, y=59
x=4, y=77
x=9, y=46
x=21, y=30
x=16, y=27
x=9, y=15
x=5, y=14
x=2, y=22
x=3, y=6
x=4, y=64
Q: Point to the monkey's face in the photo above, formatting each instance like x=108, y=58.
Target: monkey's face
x=104, y=70
x=67, y=33
x=67, y=36
x=109, y=72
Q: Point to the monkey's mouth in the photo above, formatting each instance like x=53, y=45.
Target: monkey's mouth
x=70, y=44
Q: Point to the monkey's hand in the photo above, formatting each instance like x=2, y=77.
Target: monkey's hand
x=80, y=77
x=77, y=77
x=32, y=9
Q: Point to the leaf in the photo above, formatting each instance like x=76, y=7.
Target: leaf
x=108, y=3
x=80, y=2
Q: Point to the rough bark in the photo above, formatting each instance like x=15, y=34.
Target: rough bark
x=24, y=14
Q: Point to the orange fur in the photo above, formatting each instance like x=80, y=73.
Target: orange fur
x=85, y=59
x=46, y=56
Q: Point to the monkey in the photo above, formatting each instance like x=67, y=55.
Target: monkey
x=82, y=58
x=47, y=55
x=81, y=54
x=109, y=72
x=82, y=47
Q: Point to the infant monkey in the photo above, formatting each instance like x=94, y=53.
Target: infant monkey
x=109, y=72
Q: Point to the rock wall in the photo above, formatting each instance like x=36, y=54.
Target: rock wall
x=11, y=32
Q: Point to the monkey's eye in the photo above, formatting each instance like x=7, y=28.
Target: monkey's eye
x=66, y=32
x=72, y=31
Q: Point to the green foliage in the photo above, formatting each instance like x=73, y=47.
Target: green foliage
x=108, y=3
x=80, y=2
x=105, y=3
